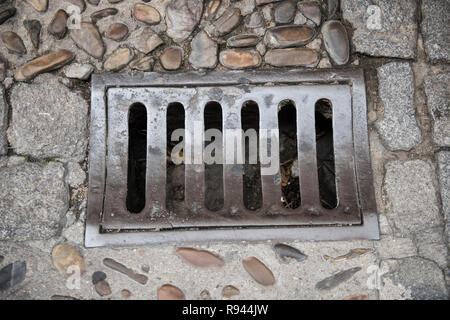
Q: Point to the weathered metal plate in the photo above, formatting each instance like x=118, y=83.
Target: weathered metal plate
x=110, y=223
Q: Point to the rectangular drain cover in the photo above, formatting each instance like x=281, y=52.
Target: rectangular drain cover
x=113, y=162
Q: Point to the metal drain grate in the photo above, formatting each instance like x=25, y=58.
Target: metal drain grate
x=110, y=221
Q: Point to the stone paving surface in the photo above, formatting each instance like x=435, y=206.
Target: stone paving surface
x=45, y=69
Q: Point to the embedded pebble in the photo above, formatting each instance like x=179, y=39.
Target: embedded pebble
x=13, y=42
x=288, y=36
x=291, y=57
x=359, y=296
x=255, y=20
x=12, y=275
x=204, y=51
x=147, y=40
x=258, y=270
x=200, y=258
x=100, y=14
x=118, y=59
x=182, y=16
x=6, y=13
x=117, y=266
x=42, y=64
x=285, y=11
x=102, y=288
x=336, y=279
x=243, y=40
x=79, y=71
x=336, y=41
x=227, y=21
x=205, y=295
x=39, y=5
x=117, y=31
x=311, y=10
x=33, y=28
x=239, y=58
x=170, y=292
x=126, y=294
x=230, y=291
x=142, y=64
x=171, y=58
x=285, y=251
x=98, y=276
x=58, y=25
x=89, y=39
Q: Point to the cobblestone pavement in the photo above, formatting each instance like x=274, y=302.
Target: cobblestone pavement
x=48, y=50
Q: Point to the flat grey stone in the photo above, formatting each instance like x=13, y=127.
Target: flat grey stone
x=79, y=71
x=394, y=34
x=398, y=128
x=435, y=22
x=3, y=122
x=410, y=196
x=34, y=198
x=182, y=16
x=431, y=245
x=412, y=278
x=48, y=120
x=443, y=159
x=438, y=96
x=204, y=51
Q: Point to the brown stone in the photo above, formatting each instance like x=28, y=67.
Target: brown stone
x=45, y=63
x=113, y=264
x=146, y=13
x=170, y=292
x=292, y=57
x=126, y=294
x=100, y=14
x=311, y=10
x=103, y=288
x=243, y=40
x=13, y=42
x=240, y=59
x=336, y=41
x=65, y=258
x=34, y=31
x=117, y=31
x=200, y=258
x=119, y=59
x=58, y=26
x=230, y=291
x=39, y=5
x=258, y=270
x=288, y=36
x=359, y=296
x=171, y=58
x=89, y=39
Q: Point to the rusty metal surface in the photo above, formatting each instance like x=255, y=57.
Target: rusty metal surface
x=112, y=94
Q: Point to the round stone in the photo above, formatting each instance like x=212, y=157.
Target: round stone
x=117, y=31
x=58, y=26
x=240, y=59
x=171, y=58
x=204, y=51
x=285, y=11
x=145, y=13
x=311, y=10
x=89, y=39
x=336, y=41
x=288, y=36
